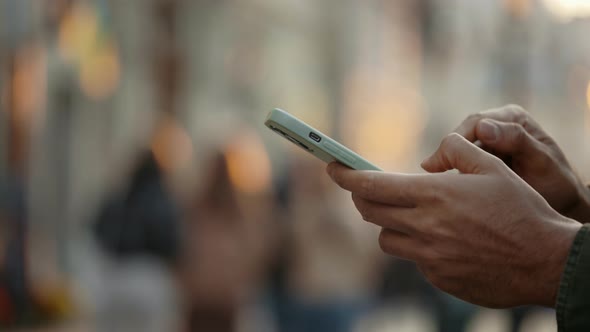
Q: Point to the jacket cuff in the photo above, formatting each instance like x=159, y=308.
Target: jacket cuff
x=573, y=297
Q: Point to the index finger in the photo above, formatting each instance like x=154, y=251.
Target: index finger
x=397, y=189
x=504, y=114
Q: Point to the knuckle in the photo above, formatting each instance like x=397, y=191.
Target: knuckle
x=518, y=132
x=440, y=233
x=431, y=224
x=363, y=209
x=434, y=231
x=519, y=135
x=516, y=109
x=545, y=158
x=368, y=185
x=468, y=123
x=450, y=140
x=336, y=177
x=527, y=123
x=497, y=162
x=474, y=117
x=433, y=194
x=520, y=115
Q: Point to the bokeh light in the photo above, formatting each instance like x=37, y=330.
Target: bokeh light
x=567, y=10
x=99, y=73
x=519, y=8
x=78, y=32
x=29, y=83
x=172, y=146
x=83, y=43
x=248, y=163
x=384, y=120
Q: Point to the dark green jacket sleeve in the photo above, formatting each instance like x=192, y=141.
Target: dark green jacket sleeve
x=573, y=298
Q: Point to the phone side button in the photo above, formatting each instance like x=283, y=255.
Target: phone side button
x=337, y=151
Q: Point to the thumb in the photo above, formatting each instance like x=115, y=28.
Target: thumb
x=505, y=137
x=455, y=152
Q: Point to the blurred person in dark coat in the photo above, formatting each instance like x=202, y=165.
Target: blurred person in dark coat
x=138, y=229
x=142, y=221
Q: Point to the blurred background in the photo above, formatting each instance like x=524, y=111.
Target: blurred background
x=140, y=191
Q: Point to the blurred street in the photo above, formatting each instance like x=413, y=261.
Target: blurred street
x=140, y=190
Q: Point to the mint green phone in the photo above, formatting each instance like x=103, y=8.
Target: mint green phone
x=314, y=142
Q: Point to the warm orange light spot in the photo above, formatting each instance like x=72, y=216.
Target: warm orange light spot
x=99, y=73
x=172, y=146
x=22, y=82
x=248, y=164
x=28, y=86
x=518, y=8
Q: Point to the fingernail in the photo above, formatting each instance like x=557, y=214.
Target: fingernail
x=488, y=131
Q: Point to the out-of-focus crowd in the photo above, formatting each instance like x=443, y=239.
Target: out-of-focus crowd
x=293, y=259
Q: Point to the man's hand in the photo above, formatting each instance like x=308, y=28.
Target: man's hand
x=483, y=235
x=511, y=134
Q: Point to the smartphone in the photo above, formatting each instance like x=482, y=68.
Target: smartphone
x=314, y=141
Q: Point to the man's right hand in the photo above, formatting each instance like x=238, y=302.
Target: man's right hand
x=511, y=134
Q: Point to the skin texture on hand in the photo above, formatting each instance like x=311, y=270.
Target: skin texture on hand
x=483, y=235
x=510, y=133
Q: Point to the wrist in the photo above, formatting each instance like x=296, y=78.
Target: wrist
x=555, y=250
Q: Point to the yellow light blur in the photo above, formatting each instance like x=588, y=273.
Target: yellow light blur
x=383, y=120
x=78, y=32
x=99, y=73
x=310, y=103
x=56, y=300
x=172, y=146
x=566, y=10
x=248, y=164
x=80, y=41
